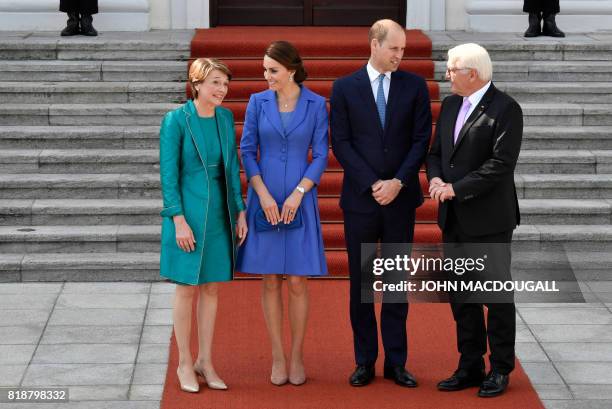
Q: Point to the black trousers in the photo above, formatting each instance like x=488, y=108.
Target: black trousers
x=386, y=227
x=500, y=330
x=79, y=6
x=541, y=6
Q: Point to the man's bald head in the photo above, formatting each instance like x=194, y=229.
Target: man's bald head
x=381, y=28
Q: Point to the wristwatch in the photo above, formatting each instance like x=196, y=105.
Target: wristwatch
x=300, y=189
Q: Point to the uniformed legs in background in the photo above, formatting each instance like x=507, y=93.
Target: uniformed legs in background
x=80, y=20
x=542, y=10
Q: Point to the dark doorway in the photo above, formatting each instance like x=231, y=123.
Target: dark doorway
x=305, y=12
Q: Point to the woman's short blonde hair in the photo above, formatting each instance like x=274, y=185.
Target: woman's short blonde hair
x=201, y=68
x=473, y=56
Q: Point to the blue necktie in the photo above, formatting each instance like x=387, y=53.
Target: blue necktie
x=381, y=104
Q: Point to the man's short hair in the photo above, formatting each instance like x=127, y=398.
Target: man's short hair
x=473, y=56
x=380, y=29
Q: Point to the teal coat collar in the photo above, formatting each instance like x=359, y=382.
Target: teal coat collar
x=224, y=127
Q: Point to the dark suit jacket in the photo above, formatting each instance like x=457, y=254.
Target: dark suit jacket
x=481, y=164
x=366, y=152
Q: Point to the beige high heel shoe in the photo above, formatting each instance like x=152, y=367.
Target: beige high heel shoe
x=277, y=379
x=217, y=385
x=191, y=388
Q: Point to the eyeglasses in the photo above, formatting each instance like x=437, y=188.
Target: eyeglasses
x=454, y=70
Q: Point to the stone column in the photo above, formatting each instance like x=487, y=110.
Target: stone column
x=426, y=14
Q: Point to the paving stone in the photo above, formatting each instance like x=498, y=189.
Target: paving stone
x=10, y=375
x=578, y=404
x=530, y=352
x=591, y=392
x=159, y=316
x=572, y=333
x=161, y=300
x=150, y=374
x=156, y=334
x=98, y=393
x=97, y=316
x=27, y=301
x=14, y=317
x=566, y=316
x=25, y=334
x=586, y=372
x=85, y=354
x=146, y=392
x=97, y=300
x=579, y=352
x=553, y=391
x=542, y=373
x=88, y=334
x=16, y=354
x=153, y=354
x=78, y=374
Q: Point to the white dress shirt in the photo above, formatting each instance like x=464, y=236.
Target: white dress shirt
x=475, y=99
x=373, y=74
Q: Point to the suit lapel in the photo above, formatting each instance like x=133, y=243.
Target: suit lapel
x=394, y=91
x=365, y=89
x=193, y=124
x=478, y=111
x=301, y=109
x=223, y=128
x=270, y=108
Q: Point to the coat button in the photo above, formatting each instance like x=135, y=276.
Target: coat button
x=452, y=165
x=386, y=150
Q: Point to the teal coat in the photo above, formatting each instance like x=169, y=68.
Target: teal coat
x=184, y=182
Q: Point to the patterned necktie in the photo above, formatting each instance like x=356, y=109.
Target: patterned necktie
x=465, y=107
x=381, y=104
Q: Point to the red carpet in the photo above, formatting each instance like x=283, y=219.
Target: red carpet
x=242, y=359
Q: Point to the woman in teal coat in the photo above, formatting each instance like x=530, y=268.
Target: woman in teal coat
x=203, y=207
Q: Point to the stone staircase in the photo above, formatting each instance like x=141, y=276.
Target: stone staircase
x=79, y=121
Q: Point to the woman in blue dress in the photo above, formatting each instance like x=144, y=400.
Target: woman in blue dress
x=285, y=239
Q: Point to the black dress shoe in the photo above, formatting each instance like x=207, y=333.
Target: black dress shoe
x=363, y=375
x=87, y=28
x=401, y=376
x=494, y=384
x=534, y=29
x=72, y=26
x=461, y=379
x=549, y=27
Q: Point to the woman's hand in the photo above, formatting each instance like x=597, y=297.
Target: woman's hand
x=241, y=227
x=184, y=235
x=292, y=203
x=270, y=208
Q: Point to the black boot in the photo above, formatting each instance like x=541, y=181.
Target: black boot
x=534, y=25
x=72, y=27
x=87, y=28
x=550, y=28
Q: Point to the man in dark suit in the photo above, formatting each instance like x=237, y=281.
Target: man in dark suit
x=381, y=126
x=470, y=168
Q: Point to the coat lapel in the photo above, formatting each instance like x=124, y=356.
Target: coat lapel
x=478, y=111
x=191, y=117
x=365, y=89
x=394, y=91
x=224, y=130
x=270, y=108
x=301, y=109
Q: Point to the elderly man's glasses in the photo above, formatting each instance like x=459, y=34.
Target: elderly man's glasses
x=453, y=70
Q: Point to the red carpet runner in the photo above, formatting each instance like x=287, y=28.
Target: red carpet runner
x=242, y=359
x=328, y=53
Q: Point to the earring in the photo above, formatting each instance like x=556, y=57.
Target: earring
x=291, y=78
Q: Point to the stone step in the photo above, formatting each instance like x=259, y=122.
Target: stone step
x=91, y=92
x=147, y=185
x=146, y=238
x=544, y=71
x=89, y=137
x=49, y=212
x=541, y=49
x=535, y=114
x=147, y=137
x=147, y=161
x=132, y=46
x=552, y=92
x=59, y=70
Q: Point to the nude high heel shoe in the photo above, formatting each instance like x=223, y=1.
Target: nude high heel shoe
x=218, y=385
x=191, y=388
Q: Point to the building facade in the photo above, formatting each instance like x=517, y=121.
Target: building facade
x=142, y=15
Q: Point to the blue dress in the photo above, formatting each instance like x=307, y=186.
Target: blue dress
x=283, y=162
